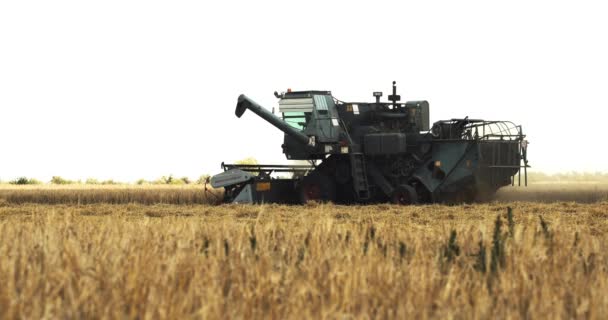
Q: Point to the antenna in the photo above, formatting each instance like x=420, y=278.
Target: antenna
x=394, y=97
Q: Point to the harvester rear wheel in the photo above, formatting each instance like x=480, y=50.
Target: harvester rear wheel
x=317, y=187
x=404, y=195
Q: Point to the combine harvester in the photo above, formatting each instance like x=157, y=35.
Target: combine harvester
x=369, y=152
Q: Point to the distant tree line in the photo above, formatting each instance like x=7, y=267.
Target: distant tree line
x=58, y=180
x=164, y=180
x=598, y=177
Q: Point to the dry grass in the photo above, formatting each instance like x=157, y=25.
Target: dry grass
x=325, y=261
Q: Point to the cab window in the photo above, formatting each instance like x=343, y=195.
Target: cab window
x=296, y=119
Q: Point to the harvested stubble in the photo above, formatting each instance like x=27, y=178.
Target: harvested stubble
x=316, y=261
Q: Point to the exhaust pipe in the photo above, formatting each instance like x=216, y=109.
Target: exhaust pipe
x=245, y=103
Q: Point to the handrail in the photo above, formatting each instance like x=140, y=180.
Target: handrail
x=490, y=130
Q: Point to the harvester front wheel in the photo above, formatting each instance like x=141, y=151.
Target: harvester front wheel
x=404, y=195
x=317, y=187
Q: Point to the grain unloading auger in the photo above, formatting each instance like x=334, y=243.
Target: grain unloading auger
x=364, y=152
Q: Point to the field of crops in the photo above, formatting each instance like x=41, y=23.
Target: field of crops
x=79, y=194
x=548, y=192
x=132, y=258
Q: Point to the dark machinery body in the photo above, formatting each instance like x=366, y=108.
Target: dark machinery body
x=376, y=152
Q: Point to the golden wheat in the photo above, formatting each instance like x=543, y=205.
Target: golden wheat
x=115, y=194
x=315, y=261
x=585, y=192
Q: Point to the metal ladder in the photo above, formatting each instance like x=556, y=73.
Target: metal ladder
x=359, y=173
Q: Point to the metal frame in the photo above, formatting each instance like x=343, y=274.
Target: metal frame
x=495, y=131
x=268, y=169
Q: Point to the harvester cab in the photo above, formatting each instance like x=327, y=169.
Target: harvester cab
x=376, y=151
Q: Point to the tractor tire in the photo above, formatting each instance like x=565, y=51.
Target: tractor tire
x=423, y=195
x=404, y=195
x=317, y=187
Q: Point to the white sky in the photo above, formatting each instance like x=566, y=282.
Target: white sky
x=139, y=89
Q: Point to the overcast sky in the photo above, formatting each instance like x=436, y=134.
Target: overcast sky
x=139, y=89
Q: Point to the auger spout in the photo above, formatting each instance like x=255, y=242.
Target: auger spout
x=245, y=103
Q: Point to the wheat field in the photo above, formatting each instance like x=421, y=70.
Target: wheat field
x=204, y=261
x=78, y=194
x=113, y=194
